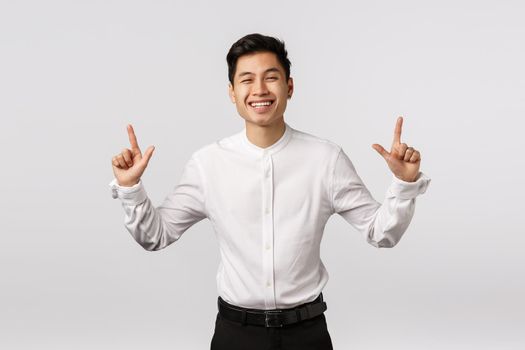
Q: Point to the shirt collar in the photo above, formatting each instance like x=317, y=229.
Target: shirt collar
x=270, y=150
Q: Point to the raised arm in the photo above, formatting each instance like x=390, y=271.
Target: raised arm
x=382, y=224
x=155, y=228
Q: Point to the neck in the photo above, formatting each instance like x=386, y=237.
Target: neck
x=265, y=135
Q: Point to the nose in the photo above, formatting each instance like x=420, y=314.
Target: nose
x=259, y=88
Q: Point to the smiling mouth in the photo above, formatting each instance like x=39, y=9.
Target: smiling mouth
x=261, y=104
x=261, y=107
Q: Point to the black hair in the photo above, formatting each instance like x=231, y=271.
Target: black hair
x=252, y=43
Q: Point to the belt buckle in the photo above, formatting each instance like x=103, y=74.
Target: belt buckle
x=270, y=321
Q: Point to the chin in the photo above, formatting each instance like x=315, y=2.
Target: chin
x=262, y=121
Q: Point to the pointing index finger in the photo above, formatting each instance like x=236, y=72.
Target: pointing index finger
x=132, y=138
x=397, y=132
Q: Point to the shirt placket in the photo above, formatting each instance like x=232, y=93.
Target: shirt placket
x=267, y=231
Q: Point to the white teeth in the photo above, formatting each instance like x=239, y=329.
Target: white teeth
x=260, y=104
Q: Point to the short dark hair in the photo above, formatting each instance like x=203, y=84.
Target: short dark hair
x=256, y=42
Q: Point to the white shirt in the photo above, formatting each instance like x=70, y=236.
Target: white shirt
x=268, y=208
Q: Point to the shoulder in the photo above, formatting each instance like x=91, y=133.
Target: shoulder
x=213, y=148
x=316, y=143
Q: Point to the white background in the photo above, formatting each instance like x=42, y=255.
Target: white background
x=73, y=74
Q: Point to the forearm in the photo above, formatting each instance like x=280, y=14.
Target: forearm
x=142, y=220
x=396, y=212
x=391, y=221
x=146, y=226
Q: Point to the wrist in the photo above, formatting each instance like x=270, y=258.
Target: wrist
x=406, y=179
x=127, y=184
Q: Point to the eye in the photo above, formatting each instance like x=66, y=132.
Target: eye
x=272, y=78
x=246, y=81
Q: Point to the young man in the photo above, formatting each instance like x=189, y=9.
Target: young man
x=268, y=191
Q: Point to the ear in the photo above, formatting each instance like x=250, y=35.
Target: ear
x=290, y=87
x=231, y=92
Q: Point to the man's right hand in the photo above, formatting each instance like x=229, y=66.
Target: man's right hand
x=129, y=165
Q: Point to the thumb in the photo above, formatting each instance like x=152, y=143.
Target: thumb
x=147, y=155
x=383, y=152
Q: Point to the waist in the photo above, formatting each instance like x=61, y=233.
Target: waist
x=319, y=299
x=273, y=317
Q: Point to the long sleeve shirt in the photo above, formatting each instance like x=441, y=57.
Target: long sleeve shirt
x=268, y=208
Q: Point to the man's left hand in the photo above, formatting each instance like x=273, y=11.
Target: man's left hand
x=402, y=160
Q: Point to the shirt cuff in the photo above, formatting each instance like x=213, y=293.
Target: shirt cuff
x=409, y=190
x=133, y=195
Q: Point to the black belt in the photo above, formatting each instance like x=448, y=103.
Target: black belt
x=272, y=318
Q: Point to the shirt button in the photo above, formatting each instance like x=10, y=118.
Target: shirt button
x=267, y=211
x=268, y=284
x=267, y=247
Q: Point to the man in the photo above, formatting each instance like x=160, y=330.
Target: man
x=268, y=192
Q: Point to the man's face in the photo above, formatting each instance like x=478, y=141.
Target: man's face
x=260, y=89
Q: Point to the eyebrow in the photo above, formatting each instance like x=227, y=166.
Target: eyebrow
x=273, y=69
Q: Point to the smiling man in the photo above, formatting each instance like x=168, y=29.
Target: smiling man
x=269, y=191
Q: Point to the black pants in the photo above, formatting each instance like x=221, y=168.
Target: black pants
x=309, y=334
